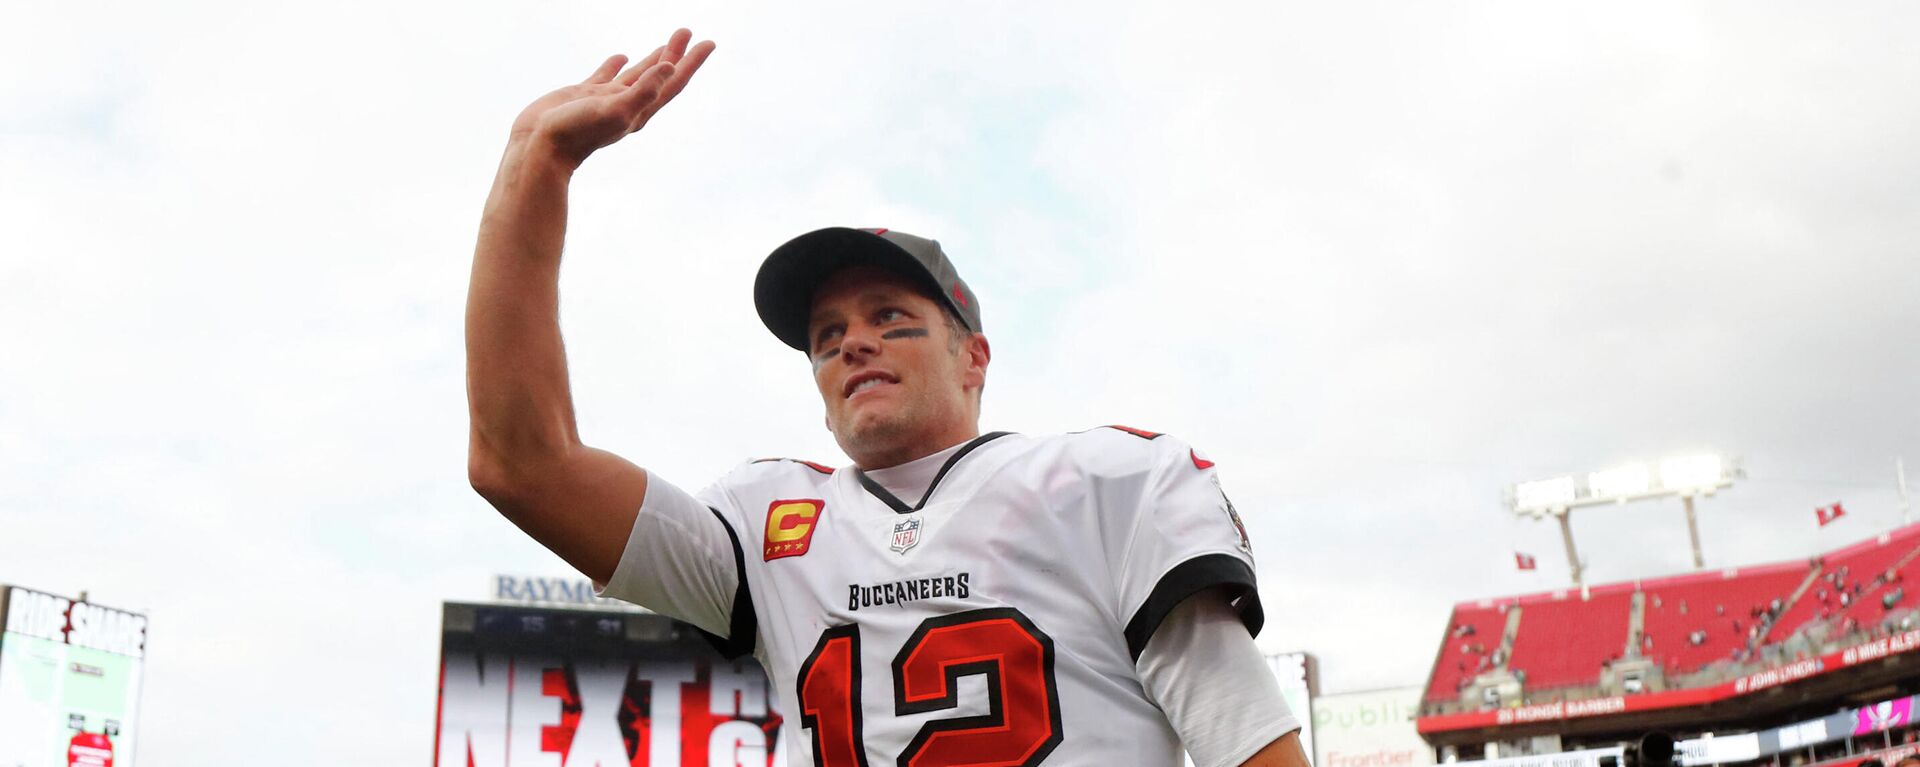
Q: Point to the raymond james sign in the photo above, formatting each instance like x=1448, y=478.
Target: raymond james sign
x=576, y=592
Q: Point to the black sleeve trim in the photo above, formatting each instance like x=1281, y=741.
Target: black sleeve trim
x=742, y=625
x=1187, y=579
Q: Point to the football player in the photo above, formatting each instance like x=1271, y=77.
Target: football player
x=951, y=597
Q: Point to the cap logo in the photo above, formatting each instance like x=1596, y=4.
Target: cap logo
x=959, y=297
x=878, y=230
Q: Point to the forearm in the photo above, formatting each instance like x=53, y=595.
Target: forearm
x=517, y=392
x=524, y=451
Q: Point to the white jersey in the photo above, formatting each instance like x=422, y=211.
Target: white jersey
x=995, y=621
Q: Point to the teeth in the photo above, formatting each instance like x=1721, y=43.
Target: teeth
x=867, y=384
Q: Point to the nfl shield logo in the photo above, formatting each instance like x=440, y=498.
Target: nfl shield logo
x=906, y=533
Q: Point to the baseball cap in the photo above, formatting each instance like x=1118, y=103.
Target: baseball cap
x=783, y=291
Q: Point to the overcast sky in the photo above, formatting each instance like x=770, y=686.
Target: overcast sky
x=1378, y=260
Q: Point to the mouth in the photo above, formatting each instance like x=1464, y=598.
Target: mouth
x=867, y=381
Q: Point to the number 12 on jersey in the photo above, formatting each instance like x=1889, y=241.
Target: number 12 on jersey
x=1020, y=728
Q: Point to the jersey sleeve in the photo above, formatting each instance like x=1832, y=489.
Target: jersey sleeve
x=683, y=560
x=1218, y=692
x=1186, y=538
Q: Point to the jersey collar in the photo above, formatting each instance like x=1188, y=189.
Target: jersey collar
x=900, y=507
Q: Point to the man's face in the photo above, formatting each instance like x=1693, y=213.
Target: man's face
x=896, y=383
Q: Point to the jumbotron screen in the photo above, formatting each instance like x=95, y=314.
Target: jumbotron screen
x=548, y=687
x=69, y=681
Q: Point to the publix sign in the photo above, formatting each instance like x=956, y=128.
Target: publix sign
x=1369, y=729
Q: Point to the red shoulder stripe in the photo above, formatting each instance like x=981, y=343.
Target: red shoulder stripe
x=1141, y=433
x=822, y=468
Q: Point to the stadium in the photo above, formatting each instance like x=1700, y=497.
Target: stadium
x=1791, y=664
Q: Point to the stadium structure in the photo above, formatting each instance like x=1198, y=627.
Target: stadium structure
x=1809, y=662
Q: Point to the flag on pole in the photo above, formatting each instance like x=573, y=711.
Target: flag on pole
x=1827, y=514
x=1523, y=561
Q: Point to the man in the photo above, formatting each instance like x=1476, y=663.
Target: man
x=951, y=598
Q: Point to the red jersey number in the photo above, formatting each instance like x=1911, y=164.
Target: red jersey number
x=1021, y=728
x=830, y=698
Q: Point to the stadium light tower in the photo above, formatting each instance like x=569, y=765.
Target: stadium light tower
x=1686, y=476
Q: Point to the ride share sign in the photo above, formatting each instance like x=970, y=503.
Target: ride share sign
x=70, y=674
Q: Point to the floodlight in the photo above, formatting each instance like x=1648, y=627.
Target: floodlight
x=1686, y=476
x=1620, y=483
x=1556, y=493
x=1691, y=473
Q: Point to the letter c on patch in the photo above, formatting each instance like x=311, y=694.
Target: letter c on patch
x=790, y=526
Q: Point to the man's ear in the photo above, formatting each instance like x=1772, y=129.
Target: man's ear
x=979, y=353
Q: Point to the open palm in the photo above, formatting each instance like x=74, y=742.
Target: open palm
x=580, y=118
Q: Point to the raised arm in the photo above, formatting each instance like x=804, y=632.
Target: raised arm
x=524, y=452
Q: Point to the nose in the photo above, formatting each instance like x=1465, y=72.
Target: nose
x=859, y=342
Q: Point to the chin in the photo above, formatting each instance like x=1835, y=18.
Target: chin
x=872, y=433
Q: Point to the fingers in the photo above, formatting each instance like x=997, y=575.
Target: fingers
x=646, y=90
x=656, y=79
x=607, y=69
x=633, y=73
x=677, y=44
x=683, y=72
x=694, y=58
x=671, y=52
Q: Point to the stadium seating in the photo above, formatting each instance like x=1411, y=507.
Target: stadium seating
x=1718, y=608
x=1872, y=570
x=1566, y=641
x=1814, y=606
x=1689, y=622
x=1472, y=637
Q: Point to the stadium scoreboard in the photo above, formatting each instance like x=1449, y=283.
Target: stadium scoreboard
x=525, y=685
x=70, y=674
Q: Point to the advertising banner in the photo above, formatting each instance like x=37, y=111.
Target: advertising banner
x=1883, y=756
x=1743, y=747
x=1884, y=715
x=69, y=682
x=524, y=687
x=536, y=590
x=1369, y=729
x=1593, y=757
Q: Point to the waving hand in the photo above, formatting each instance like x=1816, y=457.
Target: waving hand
x=613, y=102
